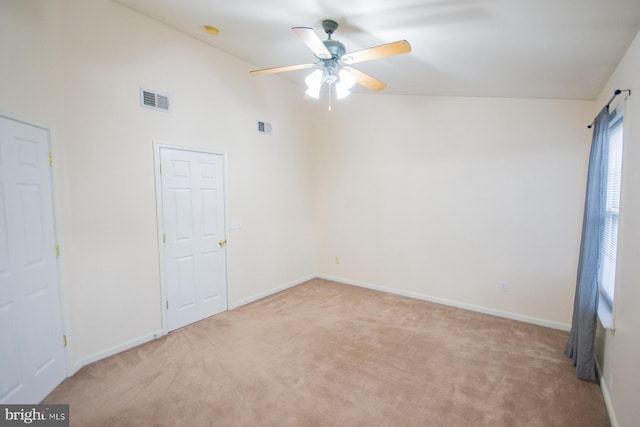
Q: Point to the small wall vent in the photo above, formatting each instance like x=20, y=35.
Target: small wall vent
x=264, y=127
x=154, y=100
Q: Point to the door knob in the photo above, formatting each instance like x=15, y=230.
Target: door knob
x=222, y=242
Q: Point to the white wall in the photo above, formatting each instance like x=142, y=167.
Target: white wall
x=444, y=198
x=76, y=67
x=621, y=376
x=30, y=71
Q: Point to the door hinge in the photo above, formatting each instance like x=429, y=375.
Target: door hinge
x=50, y=159
x=64, y=341
x=167, y=304
x=160, y=168
x=164, y=238
x=57, y=251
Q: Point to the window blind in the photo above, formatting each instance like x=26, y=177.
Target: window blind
x=609, y=246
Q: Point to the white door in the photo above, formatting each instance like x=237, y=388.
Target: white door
x=32, y=359
x=194, y=235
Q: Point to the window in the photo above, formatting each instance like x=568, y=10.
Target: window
x=609, y=248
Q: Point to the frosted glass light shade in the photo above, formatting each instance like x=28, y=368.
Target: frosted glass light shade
x=341, y=91
x=347, y=79
x=314, y=82
x=313, y=92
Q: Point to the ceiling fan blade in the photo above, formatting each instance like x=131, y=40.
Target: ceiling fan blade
x=367, y=81
x=313, y=42
x=389, y=49
x=281, y=69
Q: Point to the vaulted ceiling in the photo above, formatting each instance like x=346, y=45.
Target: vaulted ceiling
x=504, y=48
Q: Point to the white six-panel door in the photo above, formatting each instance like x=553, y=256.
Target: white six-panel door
x=193, y=235
x=32, y=359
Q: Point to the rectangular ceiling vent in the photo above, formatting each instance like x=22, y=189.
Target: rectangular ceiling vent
x=154, y=100
x=264, y=127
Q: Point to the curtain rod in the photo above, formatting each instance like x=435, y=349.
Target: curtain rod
x=615, y=93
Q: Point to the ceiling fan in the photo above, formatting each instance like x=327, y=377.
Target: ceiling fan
x=334, y=64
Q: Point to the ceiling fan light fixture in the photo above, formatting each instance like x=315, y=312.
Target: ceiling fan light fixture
x=313, y=92
x=342, y=91
x=343, y=81
x=347, y=80
x=329, y=78
x=314, y=83
x=314, y=79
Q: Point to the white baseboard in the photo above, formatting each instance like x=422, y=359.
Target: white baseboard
x=272, y=291
x=141, y=340
x=479, y=309
x=606, y=396
x=608, y=403
x=114, y=350
x=514, y=316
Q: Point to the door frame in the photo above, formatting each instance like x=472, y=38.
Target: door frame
x=157, y=146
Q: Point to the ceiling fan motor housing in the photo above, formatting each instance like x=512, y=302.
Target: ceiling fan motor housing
x=332, y=65
x=335, y=48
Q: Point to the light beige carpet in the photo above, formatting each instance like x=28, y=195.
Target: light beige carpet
x=328, y=354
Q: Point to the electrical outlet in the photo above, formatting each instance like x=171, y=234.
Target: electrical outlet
x=503, y=287
x=337, y=260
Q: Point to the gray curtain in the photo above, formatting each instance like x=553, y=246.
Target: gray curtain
x=580, y=345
